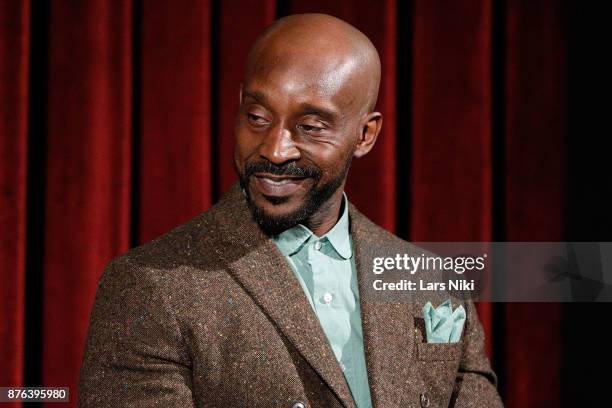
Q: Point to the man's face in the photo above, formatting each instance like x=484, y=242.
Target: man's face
x=295, y=137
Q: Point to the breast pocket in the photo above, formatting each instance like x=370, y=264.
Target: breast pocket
x=435, y=351
x=439, y=351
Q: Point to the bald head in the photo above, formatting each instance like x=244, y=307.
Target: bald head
x=306, y=110
x=323, y=49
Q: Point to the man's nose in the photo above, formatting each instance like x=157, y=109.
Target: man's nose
x=278, y=146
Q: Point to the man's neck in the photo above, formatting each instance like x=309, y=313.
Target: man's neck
x=327, y=216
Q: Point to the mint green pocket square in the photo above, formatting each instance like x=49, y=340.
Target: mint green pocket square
x=442, y=324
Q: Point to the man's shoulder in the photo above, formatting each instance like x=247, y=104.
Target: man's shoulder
x=193, y=244
x=172, y=247
x=373, y=235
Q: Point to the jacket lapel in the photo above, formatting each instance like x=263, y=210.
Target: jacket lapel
x=388, y=326
x=257, y=264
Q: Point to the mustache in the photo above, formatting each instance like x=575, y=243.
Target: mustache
x=288, y=169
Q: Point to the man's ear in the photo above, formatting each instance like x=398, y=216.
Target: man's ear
x=369, y=132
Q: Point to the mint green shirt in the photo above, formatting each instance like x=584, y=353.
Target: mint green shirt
x=325, y=268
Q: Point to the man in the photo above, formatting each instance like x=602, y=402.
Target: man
x=260, y=301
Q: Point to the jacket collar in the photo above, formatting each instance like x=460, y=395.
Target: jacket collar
x=290, y=241
x=256, y=262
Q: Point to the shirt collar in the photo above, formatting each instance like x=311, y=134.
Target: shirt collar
x=291, y=240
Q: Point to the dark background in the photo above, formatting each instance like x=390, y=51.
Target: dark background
x=586, y=355
x=116, y=124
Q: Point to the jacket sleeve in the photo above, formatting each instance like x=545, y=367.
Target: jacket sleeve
x=135, y=354
x=476, y=384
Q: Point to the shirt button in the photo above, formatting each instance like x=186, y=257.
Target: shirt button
x=327, y=298
x=425, y=400
x=317, y=245
x=299, y=404
x=342, y=367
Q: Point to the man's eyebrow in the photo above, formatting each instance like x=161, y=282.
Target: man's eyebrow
x=305, y=108
x=327, y=114
x=258, y=96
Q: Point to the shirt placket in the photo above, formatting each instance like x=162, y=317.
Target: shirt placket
x=325, y=294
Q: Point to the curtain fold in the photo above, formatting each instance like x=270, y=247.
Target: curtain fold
x=534, y=138
x=175, y=162
x=87, y=202
x=14, y=68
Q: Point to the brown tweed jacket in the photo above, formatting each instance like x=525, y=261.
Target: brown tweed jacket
x=211, y=315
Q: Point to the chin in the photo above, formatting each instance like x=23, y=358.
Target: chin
x=277, y=207
x=275, y=218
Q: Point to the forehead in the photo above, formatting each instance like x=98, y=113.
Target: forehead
x=300, y=80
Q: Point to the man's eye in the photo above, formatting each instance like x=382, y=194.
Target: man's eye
x=310, y=128
x=256, y=119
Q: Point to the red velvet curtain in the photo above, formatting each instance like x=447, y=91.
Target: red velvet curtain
x=116, y=122
x=14, y=68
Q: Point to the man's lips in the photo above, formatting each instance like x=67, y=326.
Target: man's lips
x=277, y=185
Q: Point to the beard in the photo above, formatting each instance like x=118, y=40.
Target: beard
x=316, y=196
